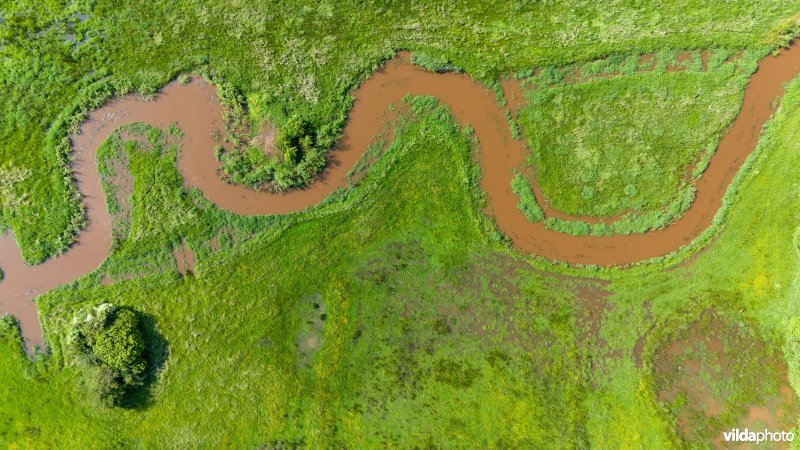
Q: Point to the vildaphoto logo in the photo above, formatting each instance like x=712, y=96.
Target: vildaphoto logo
x=737, y=435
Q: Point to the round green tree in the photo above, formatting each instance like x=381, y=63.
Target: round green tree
x=111, y=344
x=120, y=346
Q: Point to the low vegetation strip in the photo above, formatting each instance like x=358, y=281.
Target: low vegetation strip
x=630, y=223
x=527, y=200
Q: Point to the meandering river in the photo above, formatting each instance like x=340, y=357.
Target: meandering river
x=195, y=109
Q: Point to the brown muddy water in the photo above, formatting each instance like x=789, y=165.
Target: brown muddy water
x=196, y=111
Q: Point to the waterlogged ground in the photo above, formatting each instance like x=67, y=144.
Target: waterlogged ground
x=700, y=372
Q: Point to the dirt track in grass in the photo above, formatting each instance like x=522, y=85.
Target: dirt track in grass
x=196, y=111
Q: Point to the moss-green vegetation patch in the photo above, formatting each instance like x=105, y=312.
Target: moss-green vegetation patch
x=527, y=200
x=625, y=144
x=630, y=222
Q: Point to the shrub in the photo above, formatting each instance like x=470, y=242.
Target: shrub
x=111, y=347
x=120, y=346
x=294, y=140
x=783, y=34
x=433, y=63
x=103, y=386
x=300, y=156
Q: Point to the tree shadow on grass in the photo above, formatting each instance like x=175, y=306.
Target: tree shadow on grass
x=156, y=354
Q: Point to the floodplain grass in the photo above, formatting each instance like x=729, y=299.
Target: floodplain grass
x=527, y=200
x=629, y=223
x=487, y=333
x=374, y=241
x=296, y=60
x=748, y=271
x=624, y=146
x=482, y=326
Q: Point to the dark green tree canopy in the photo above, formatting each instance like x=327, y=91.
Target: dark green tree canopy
x=109, y=340
x=295, y=139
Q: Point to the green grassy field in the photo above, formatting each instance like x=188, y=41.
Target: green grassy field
x=433, y=332
x=292, y=60
x=626, y=144
x=393, y=314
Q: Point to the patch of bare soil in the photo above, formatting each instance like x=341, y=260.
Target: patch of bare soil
x=265, y=139
x=716, y=375
x=479, y=298
x=647, y=62
x=593, y=306
x=310, y=339
x=501, y=309
x=494, y=272
x=682, y=60
x=497, y=279
x=184, y=258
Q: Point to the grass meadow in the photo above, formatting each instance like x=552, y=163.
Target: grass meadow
x=293, y=60
x=393, y=314
x=627, y=143
x=433, y=330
